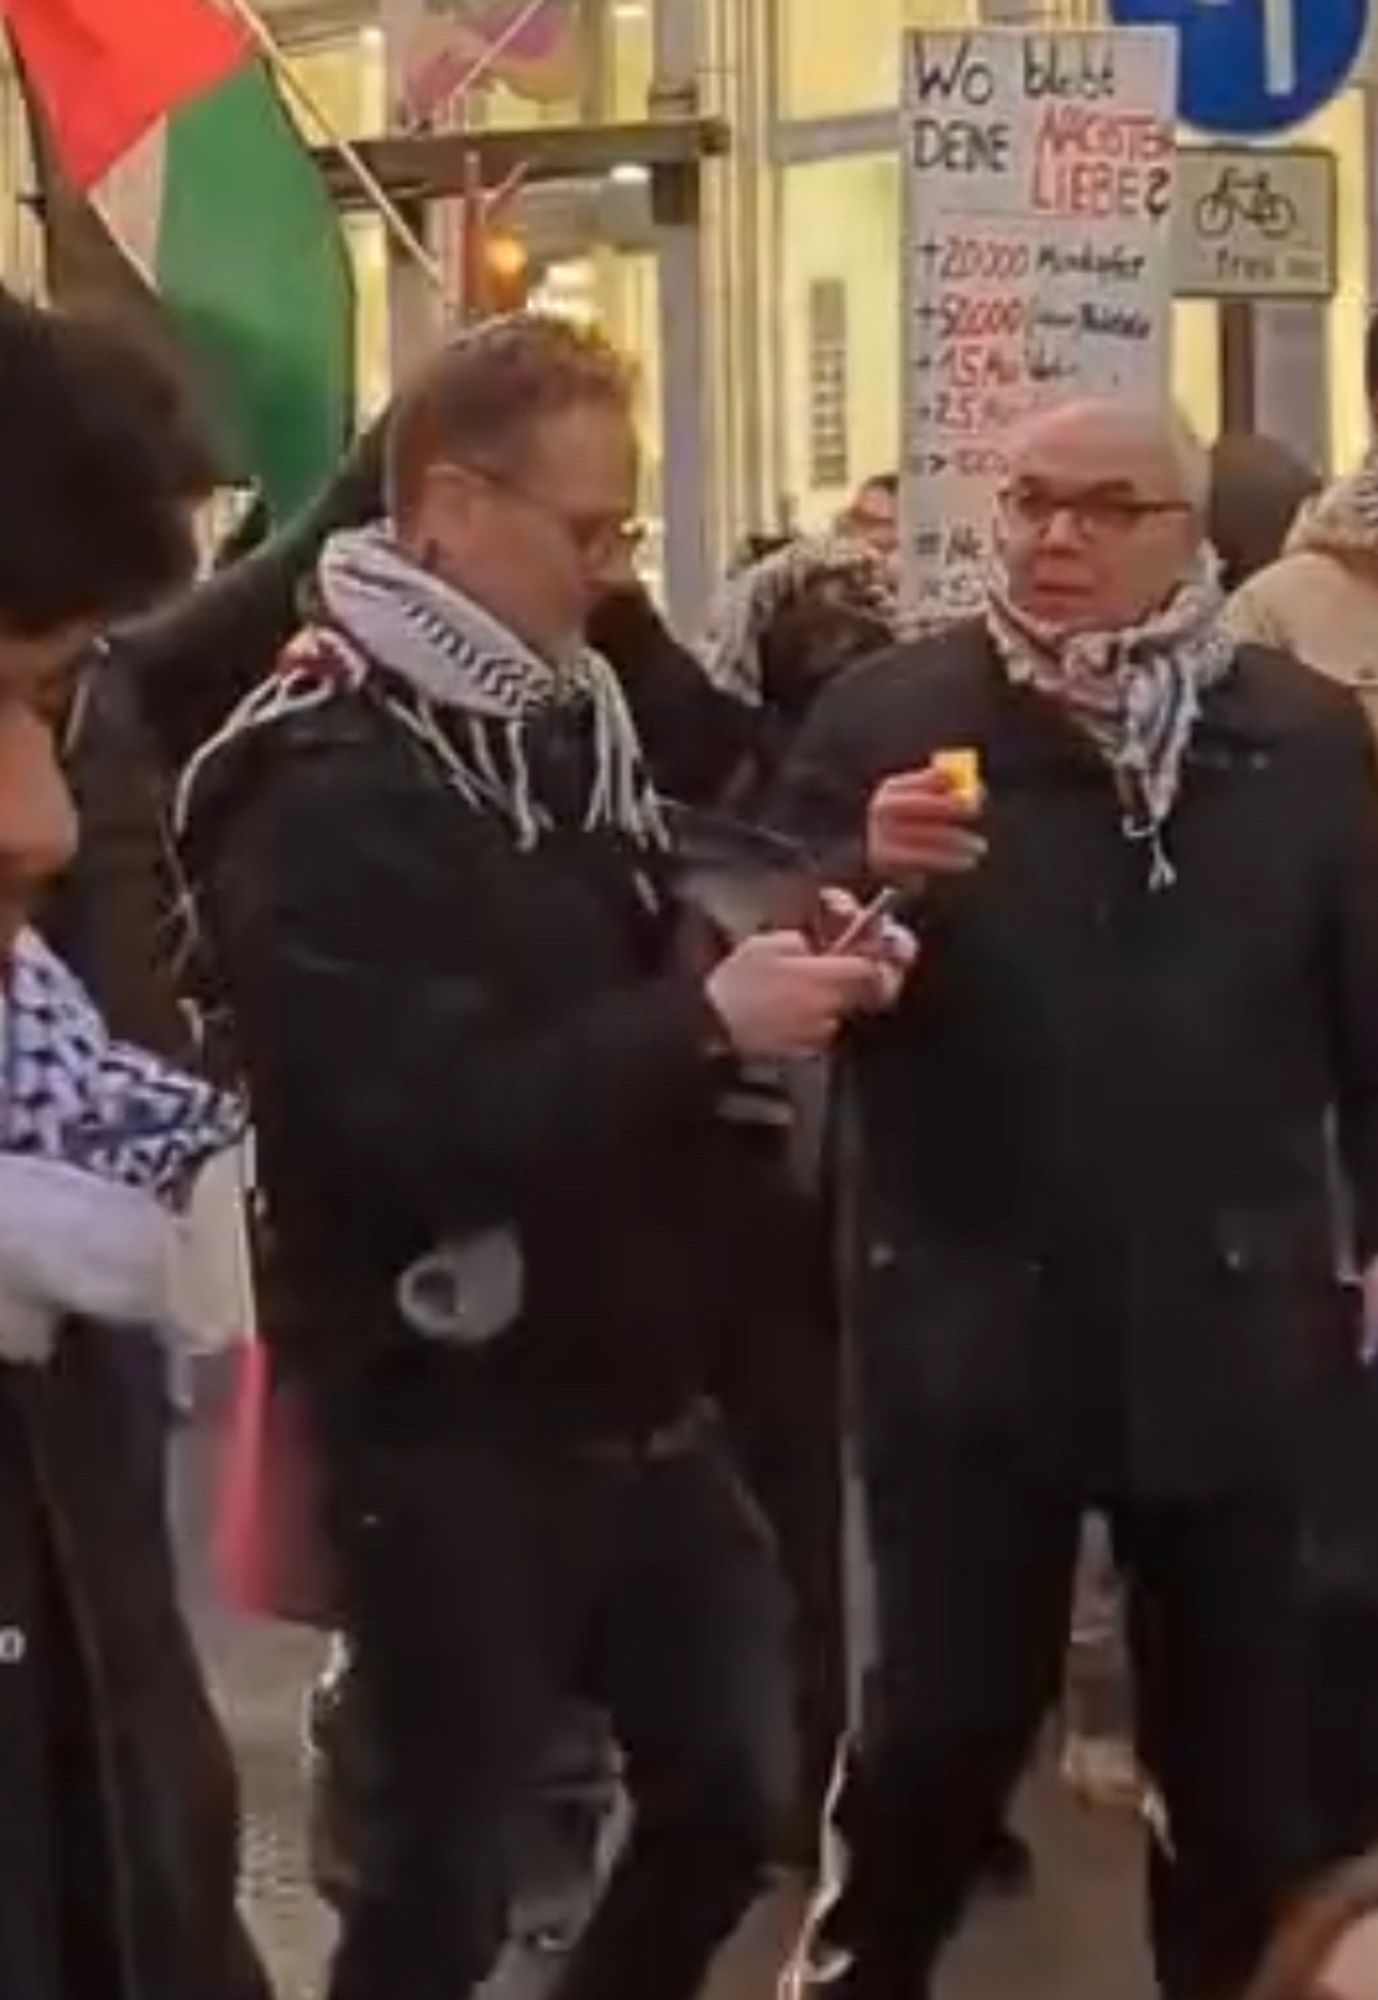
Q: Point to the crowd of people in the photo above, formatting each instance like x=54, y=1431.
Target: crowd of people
x=676, y=1073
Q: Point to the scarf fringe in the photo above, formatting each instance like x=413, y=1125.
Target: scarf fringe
x=471, y=688
x=295, y=689
x=458, y=682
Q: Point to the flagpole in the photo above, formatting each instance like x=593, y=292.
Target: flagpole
x=353, y=159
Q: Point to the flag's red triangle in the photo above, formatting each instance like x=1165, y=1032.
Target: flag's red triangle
x=106, y=70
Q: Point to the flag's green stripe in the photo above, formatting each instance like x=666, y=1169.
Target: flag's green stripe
x=252, y=260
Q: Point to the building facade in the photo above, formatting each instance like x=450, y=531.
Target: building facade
x=765, y=313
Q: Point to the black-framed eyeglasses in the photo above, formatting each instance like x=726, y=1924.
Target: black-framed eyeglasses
x=594, y=537
x=1098, y=513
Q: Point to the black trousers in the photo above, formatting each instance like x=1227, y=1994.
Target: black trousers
x=783, y=1417
x=118, y=1833
x=1344, y=1706
x=58, y=1938
x=975, y=1563
x=483, y=1582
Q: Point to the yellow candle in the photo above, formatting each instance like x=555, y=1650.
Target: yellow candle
x=962, y=769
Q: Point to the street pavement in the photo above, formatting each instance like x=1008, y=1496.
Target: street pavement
x=1076, y=1937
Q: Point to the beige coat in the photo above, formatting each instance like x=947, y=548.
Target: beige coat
x=1319, y=601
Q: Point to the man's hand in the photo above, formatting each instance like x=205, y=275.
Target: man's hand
x=778, y=997
x=918, y=824
x=868, y=930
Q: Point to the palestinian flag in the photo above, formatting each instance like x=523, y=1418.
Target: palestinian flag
x=165, y=140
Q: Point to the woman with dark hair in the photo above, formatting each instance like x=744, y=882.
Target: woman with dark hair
x=118, y=1841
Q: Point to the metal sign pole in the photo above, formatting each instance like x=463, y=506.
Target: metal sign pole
x=1238, y=365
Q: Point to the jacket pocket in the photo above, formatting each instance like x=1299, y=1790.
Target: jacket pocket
x=1237, y=1352
x=1274, y=1283
x=948, y=1327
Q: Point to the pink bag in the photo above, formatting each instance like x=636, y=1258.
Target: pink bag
x=270, y=1554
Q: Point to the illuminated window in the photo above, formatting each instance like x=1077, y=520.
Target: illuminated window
x=1196, y=386
x=840, y=242
x=837, y=58
x=343, y=76
x=1343, y=128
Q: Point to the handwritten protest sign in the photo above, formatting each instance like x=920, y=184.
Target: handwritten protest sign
x=1038, y=245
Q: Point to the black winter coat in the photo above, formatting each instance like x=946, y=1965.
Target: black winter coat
x=119, y=1829
x=1090, y=1210
x=443, y=1034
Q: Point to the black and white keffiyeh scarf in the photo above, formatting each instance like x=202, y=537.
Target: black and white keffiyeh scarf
x=100, y=1145
x=69, y=1091
x=458, y=680
x=1136, y=693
